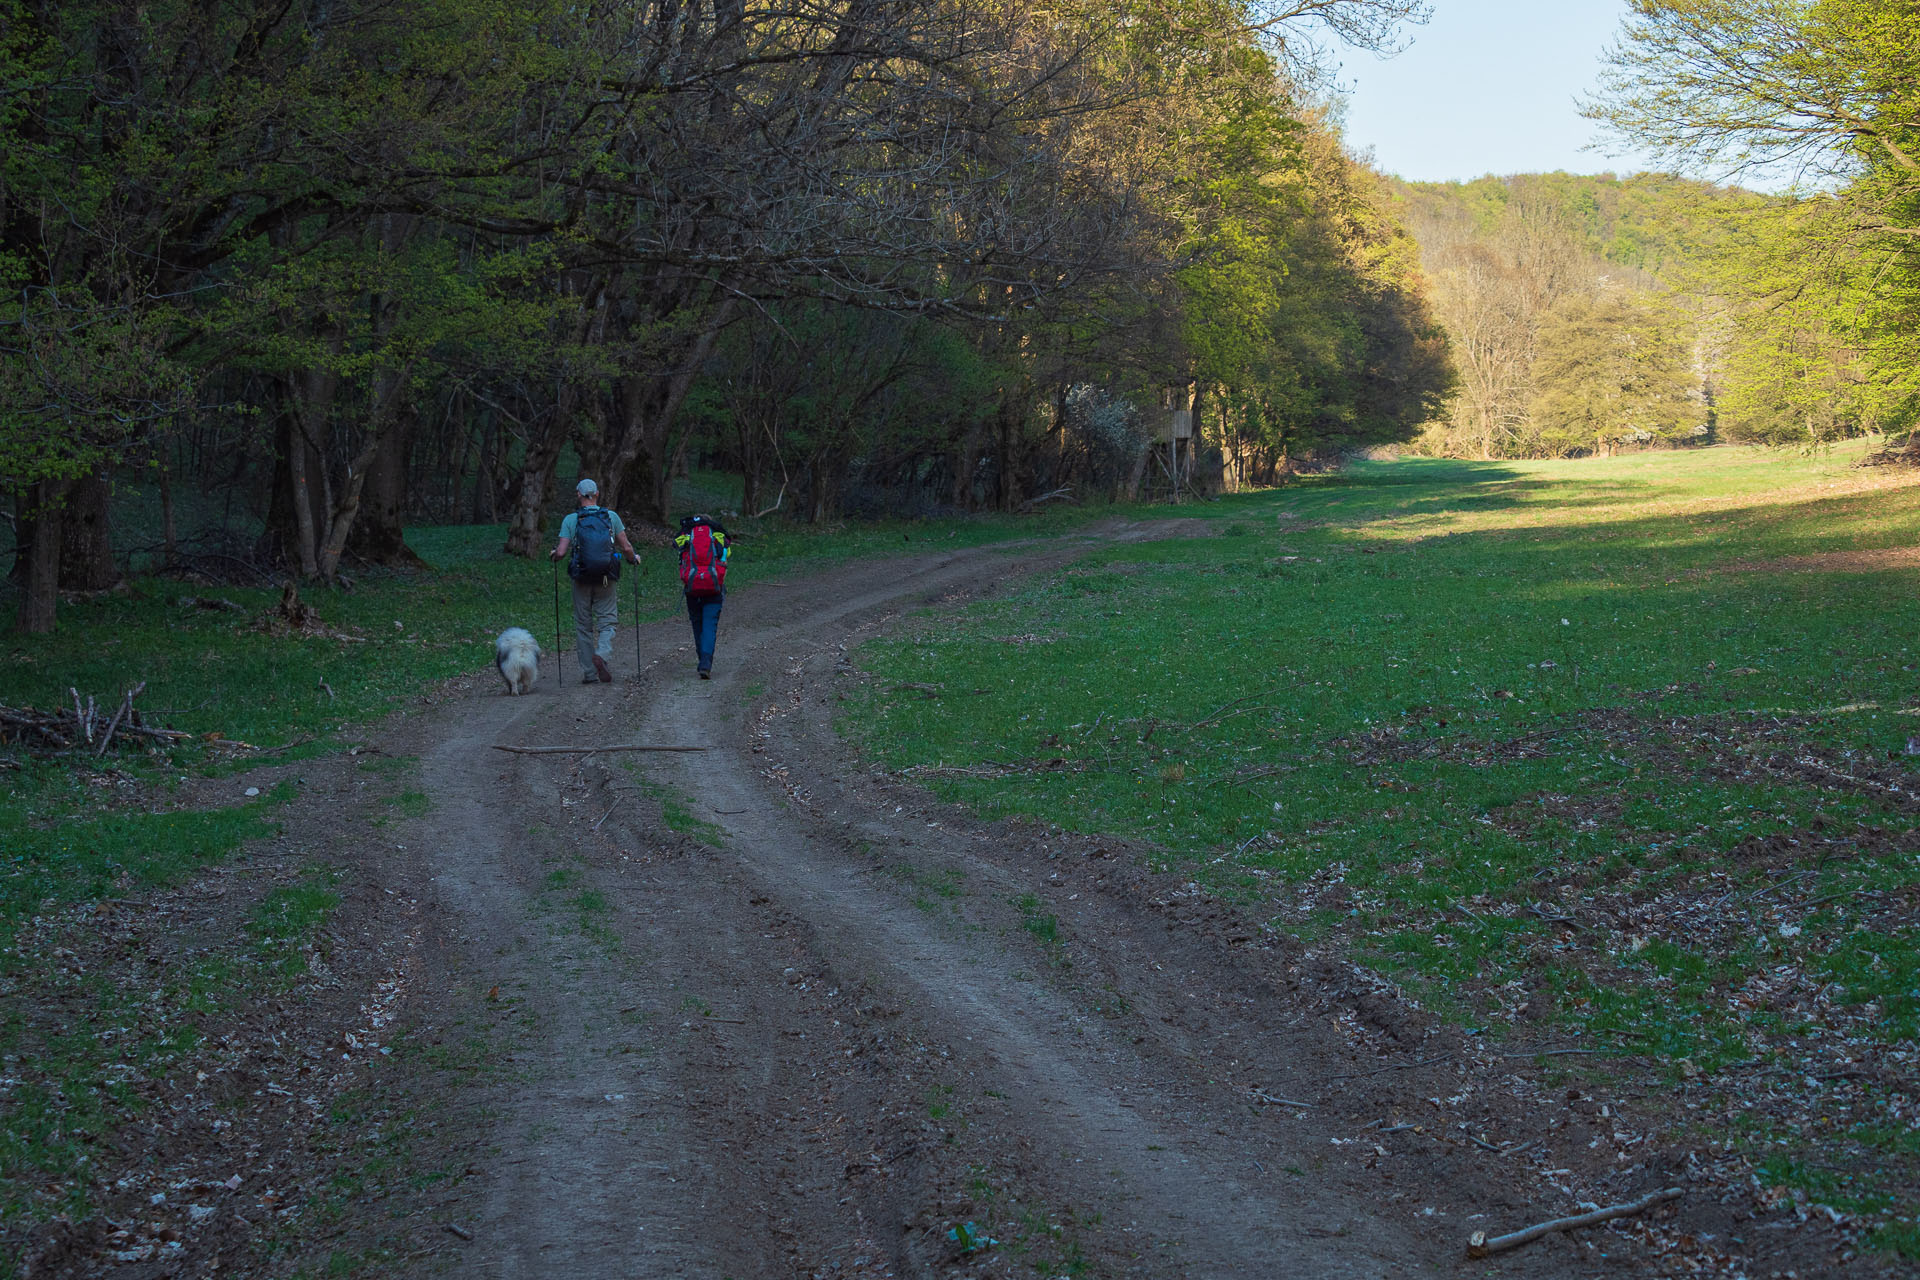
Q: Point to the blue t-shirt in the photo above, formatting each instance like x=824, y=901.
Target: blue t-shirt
x=572, y=522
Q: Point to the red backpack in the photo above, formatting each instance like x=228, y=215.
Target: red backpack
x=703, y=558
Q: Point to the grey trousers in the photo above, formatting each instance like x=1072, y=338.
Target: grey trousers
x=596, y=612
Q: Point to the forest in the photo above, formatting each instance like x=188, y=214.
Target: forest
x=329, y=267
x=281, y=278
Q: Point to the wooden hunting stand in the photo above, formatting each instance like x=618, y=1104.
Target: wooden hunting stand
x=1173, y=455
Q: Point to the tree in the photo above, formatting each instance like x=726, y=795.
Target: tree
x=1828, y=92
x=1612, y=369
x=313, y=235
x=1825, y=88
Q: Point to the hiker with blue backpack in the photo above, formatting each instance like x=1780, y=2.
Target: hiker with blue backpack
x=596, y=538
x=703, y=575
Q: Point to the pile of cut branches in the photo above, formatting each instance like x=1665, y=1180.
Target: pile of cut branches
x=1901, y=452
x=295, y=617
x=85, y=728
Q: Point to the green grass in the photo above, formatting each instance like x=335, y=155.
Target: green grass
x=84, y=1037
x=935, y=891
x=1421, y=708
x=286, y=918
x=1036, y=920
x=675, y=809
x=58, y=855
x=216, y=672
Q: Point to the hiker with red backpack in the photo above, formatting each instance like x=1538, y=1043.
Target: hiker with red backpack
x=703, y=575
x=595, y=537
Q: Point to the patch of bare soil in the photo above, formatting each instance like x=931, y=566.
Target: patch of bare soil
x=1876, y=561
x=759, y=1010
x=232, y=1141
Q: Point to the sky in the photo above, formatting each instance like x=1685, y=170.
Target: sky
x=1488, y=86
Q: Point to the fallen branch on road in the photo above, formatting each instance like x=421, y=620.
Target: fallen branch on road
x=1479, y=1245
x=587, y=751
x=1263, y=1096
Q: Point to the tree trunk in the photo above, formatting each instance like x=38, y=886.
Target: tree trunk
x=384, y=422
x=536, y=476
x=169, y=535
x=966, y=466
x=1141, y=459
x=749, y=443
x=547, y=440
x=378, y=536
x=45, y=504
x=824, y=474
x=297, y=508
x=1005, y=483
x=484, y=484
x=86, y=546
x=640, y=471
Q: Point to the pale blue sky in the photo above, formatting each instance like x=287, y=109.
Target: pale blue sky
x=1487, y=87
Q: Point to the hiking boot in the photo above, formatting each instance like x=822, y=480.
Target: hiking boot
x=589, y=678
x=600, y=667
x=705, y=674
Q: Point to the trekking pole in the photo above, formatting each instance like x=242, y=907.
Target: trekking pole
x=560, y=674
x=638, y=569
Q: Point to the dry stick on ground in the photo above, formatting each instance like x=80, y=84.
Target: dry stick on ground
x=1033, y=502
x=126, y=709
x=1550, y=918
x=1398, y=1066
x=1471, y=915
x=1221, y=711
x=1266, y=1097
x=1256, y=774
x=1479, y=1245
x=586, y=751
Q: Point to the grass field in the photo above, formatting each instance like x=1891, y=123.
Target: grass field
x=1612, y=755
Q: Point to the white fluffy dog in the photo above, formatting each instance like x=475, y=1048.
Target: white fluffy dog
x=517, y=654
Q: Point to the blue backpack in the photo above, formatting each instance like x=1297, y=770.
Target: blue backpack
x=594, y=561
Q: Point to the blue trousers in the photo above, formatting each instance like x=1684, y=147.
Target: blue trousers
x=704, y=613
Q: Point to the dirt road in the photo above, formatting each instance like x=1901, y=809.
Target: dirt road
x=756, y=1011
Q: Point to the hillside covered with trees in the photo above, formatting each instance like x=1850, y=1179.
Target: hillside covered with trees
x=329, y=268
x=1586, y=313
x=1574, y=311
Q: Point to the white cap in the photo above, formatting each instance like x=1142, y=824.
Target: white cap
x=586, y=487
